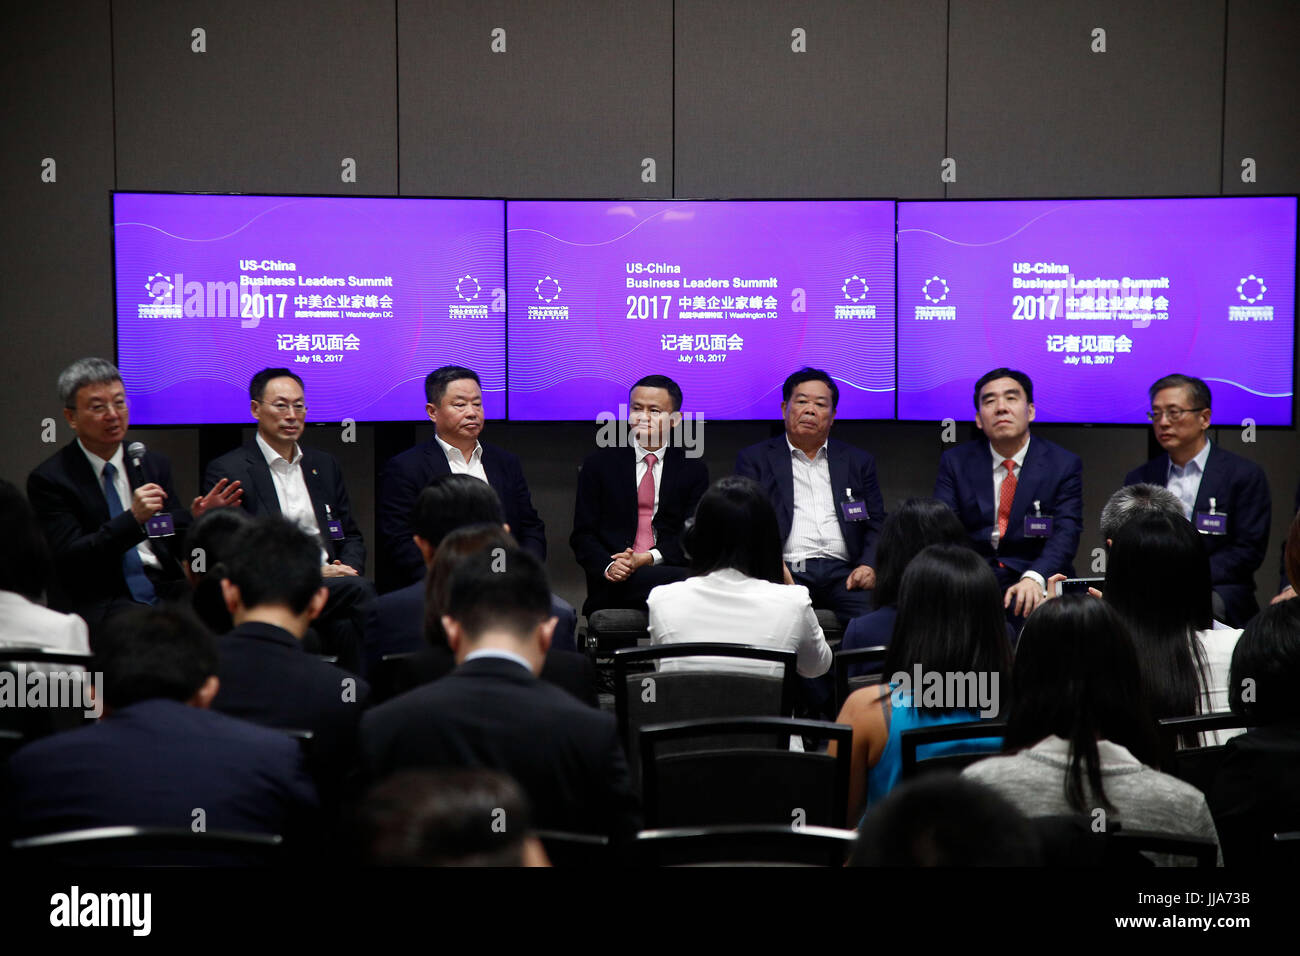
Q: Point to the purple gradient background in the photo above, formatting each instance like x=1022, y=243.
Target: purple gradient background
x=570, y=371
x=196, y=370
x=1204, y=246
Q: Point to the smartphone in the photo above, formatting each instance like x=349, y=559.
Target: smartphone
x=1079, y=585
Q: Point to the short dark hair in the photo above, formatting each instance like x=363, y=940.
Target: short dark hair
x=436, y=382
x=452, y=551
x=148, y=653
x=1200, y=391
x=917, y=524
x=1268, y=653
x=451, y=501
x=809, y=374
x=257, y=387
x=942, y=819
x=445, y=818
x=1076, y=676
x=659, y=381
x=1025, y=382
x=26, y=564
x=735, y=527
x=500, y=588
x=274, y=562
x=213, y=535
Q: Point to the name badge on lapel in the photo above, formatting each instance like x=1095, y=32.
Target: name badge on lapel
x=160, y=525
x=1038, y=525
x=335, y=526
x=853, y=509
x=1213, y=521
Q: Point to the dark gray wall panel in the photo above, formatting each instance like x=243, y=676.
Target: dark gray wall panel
x=1033, y=112
x=1261, y=120
x=286, y=90
x=581, y=95
x=859, y=114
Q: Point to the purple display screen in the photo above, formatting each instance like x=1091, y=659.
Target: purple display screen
x=726, y=298
x=361, y=297
x=1095, y=300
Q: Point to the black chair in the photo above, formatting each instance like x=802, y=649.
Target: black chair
x=576, y=850
x=612, y=629
x=329, y=659
x=756, y=779
x=64, y=706
x=10, y=741
x=149, y=846
x=910, y=741
x=392, y=676
x=1122, y=845
x=1070, y=841
x=1286, y=848
x=1197, y=765
x=758, y=845
x=831, y=627
x=873, y=658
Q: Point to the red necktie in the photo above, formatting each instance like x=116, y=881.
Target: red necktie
x=645, y=508
x=1007, y=493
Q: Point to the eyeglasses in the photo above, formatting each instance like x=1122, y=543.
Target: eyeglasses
x=283, y=408
x=1171, y=414
x=99, y=409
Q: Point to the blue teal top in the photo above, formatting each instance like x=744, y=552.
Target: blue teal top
x=903, y=716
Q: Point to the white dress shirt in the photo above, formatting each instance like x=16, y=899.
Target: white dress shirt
x=26, y=624
x=1217, y=645
x=1185, y=480
x=639, y=476
x=999, y=474
x=815, y=528
x=124, y=494
x=498, y=654
x=291, y=490
x=459, y=465
x=731, y=608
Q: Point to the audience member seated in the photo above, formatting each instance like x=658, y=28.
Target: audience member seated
x=1133, y=501
x=448, y=502
x=448, y=818
x=1079, y=736
x=209, y=544
x=160, y=757
x=1257, y=790
x=943, y=820
x=738, y=596
x=25, y=571
x=493, y=712
x=917, y=524
x=950, y=623
x=1158, y=579
x=272, y=587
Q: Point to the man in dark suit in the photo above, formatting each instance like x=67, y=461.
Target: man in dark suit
x=1224, y=495
x=1021, y=499
x=826, y=497
x=1286, y=590
x=455, y=406
x=280, y=477
x=272, y=587
x=112, y=518
x=160, y=756
x=633, y=500
x=493, y=712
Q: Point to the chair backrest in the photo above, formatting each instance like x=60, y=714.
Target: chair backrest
x=1070, y=840
x=1122, y=845
x=62, y=703
x=1197, y=765
x=1285, y=848
x=612, y=629
x=866, y=663
x=756, y=778
x=10, y=740
x=910, y=741
x=760, y=844
x=831, y=627
x=150, y=846
x=576, y=850
x=391, y=676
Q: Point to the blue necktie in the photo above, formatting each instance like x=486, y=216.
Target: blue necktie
x=132, y=567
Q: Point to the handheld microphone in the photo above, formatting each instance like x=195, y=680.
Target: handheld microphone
x=135, y=452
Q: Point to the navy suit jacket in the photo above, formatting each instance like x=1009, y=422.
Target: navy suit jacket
x=1050, y=475
x=605, y=510
x=324, y=478
x=87, y=545
x=493, y=713
x=406, y=475
x=851, y=468
x=1239, y=489
x=151, y=764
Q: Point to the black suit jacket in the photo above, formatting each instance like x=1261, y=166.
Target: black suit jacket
x=605, y=510
x=493, y=713
x=88, y=546
x=851, y=468
x=1239, y=489
x=1050, y=475
x=268, y=678
x=324, y=478
x=406, y=475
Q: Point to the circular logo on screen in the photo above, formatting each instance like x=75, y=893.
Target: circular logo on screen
x=547, y=289
x=935, y=289
x=854, y=288
x=1251, y=289
x=467, y=288
x=160, y=286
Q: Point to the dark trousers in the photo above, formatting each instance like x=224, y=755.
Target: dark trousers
x=824, y=578
x=342, y=624
x=630, y=595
